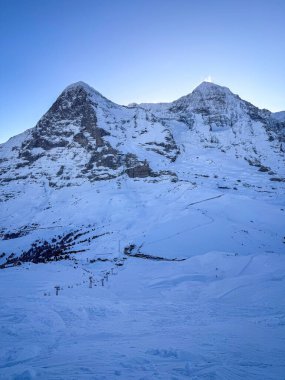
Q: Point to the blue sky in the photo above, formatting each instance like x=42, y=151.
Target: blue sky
x=137, y=51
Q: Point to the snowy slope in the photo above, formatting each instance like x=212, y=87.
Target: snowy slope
x=180, y=206
x=215, y=316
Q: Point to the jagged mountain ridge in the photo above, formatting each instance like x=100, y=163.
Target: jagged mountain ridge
x=105, y=140
x=86, y=149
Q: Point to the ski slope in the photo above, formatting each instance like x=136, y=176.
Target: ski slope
x=218, y=314
x=213, y=316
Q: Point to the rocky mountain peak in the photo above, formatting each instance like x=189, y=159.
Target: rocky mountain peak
x=209, y=99
x=81, y=86
x=81, y=89
x=77, y=106
x=210, y=87
x=208, y=91
x=74, y=101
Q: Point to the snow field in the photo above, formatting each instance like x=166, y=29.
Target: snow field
x=213, y=316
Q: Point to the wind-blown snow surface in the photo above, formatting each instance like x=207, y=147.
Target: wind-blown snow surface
x=214, y=316
x=194, y=191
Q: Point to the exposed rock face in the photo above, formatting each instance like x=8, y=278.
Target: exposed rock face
x=136, y=169
x=71, y=129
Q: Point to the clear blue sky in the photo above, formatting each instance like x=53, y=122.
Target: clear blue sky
x=137, y=51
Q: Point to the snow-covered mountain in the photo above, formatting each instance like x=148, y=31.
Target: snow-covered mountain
x=163, y=226
x=92, y=162
x=84, y=137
